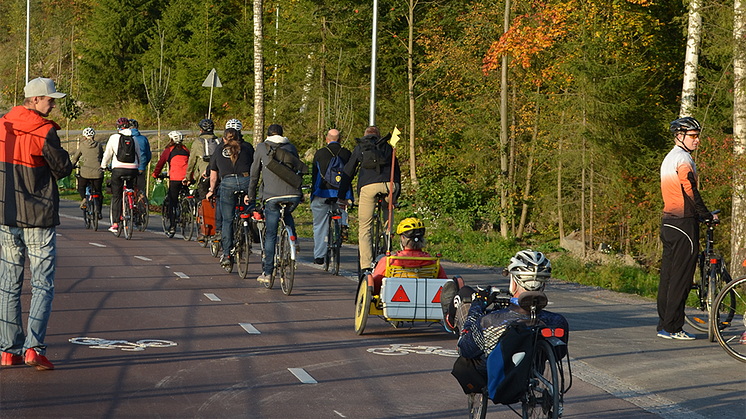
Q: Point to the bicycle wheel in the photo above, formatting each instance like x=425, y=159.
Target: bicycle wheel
x=86, y=218
x=378, y=236
x=362, y=306
x=542, y=397
x=336, y=248
x=329, y=241
x=286, y=262
x=166, y=217
x=127, y=216
x=696, y=317
x=143, y=211
x=731, y=333
x=93, y=213
x=243, y=251
x=186, y=222
x=478, y=405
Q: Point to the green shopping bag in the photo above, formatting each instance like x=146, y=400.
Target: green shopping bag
x=159, y=193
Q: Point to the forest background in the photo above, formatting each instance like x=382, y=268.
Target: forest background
x=592, y=87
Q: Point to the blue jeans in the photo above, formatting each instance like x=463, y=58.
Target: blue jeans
x=228, y=186
x=40, y=245
x=320, y=211
x=272, y=218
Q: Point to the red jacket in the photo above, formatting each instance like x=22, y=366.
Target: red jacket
x=32, y=161
x=177, y=157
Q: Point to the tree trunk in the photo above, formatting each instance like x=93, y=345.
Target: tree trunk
x=582, y=188
x=529, y=170
x=738, y=229
x=559, y=182
x=590, y=228
x=410, y=81
x=504, y=132
x=258, y=72
x=694, y=35
x=511, y=153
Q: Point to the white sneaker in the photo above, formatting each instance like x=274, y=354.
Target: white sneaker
x=264, y=278
x=114, y=228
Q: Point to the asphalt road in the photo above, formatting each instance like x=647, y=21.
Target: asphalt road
x=214, y=346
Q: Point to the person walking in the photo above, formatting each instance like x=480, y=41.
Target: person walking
x=323, y=189
x=376, y=167
x=682, y=206
x=32, y=161
x=88, y=156
x=274, y=190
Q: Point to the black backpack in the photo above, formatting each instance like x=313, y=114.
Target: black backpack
x=334, y=169
x=126, y=152
x=374, y=153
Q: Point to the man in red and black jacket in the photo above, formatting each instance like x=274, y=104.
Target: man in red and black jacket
x=32, y=161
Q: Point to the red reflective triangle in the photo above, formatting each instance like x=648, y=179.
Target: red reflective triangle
x=400, y=296
x=436, y=299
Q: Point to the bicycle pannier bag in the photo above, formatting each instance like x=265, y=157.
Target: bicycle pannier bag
x=509, y=364
x=126, y=152
x=333, y=174
x=470, y=379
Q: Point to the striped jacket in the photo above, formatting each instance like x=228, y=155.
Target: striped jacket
x=32, y=161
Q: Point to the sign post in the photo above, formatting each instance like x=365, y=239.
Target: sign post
x=211, y=81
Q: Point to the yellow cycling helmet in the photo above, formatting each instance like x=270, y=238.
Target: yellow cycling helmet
x=411, y=227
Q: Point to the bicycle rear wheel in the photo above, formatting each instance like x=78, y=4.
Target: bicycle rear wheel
x=127, y=216
x=186, y=221
x=86, y=218
x=478, y=405
x=329, y=235
x=286, y=261
x=166, y=217
x=243, y=250
x=731, y=330
x=542, y=397
x=93, y=213
x=362, y=305
x=336, y=239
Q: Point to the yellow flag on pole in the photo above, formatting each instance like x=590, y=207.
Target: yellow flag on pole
x=394, y=137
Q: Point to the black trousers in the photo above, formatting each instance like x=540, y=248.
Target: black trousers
x=680, y=239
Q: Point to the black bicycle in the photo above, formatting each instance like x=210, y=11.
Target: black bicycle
x=546, y=383
x=241, y=249
x=187, y=212
x=333, y=237
x=713, y=277
x=92, y=208
x=729, y=328
x=285, y=250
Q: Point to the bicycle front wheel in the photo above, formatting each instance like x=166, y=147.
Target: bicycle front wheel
x=286, y=262
x=362, y=305
x=731, y=330
x=127, y=216
x=542, y=397
x=478, y=405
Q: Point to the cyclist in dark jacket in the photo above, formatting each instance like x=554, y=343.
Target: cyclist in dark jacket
x=88, y=156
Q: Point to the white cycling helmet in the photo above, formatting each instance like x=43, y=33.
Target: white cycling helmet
x=235, y=124
x=89, y=132
x=176, y=137
x=530, y=269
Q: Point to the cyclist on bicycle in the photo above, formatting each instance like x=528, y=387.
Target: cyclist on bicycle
x=273, y=191
x=199, y=157
x=176, y=155
x=89, y=154
x=231, y=163
x=323, y=190
x=373, y=157
x=682, y=205
x=480, y=332
x=113, y=152
x=145, y=155
x=412, y=242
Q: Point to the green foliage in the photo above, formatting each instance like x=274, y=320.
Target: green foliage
x=615, y=277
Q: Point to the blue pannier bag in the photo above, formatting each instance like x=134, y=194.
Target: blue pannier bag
x=509, y=365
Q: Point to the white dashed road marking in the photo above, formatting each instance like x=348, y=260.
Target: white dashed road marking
x=181, y=275
x=302, y=375
x=143, y=258
x=250, y=329
x=97, y=244
x=212, y=297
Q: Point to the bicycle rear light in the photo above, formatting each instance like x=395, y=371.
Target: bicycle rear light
x=548, y=333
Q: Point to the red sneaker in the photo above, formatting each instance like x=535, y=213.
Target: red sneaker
x=10, y=359
x=39, y=361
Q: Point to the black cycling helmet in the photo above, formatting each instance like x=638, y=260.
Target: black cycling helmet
x=684, y=124
x=134, y=124
x=206, y=125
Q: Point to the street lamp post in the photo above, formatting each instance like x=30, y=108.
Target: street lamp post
x=372, y=116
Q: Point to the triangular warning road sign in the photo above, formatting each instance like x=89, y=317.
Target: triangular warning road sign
x=400, y=296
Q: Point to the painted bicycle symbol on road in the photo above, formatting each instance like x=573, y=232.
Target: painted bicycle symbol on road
x=140, y=345
x=403, y=349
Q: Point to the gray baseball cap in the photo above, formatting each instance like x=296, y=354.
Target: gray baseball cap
x=41, y=86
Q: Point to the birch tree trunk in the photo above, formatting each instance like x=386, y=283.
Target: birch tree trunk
x=691, y=61
x=738, y=229
x=582, y=188
x=504, y=132
x=258, y=72
x=410, y=81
